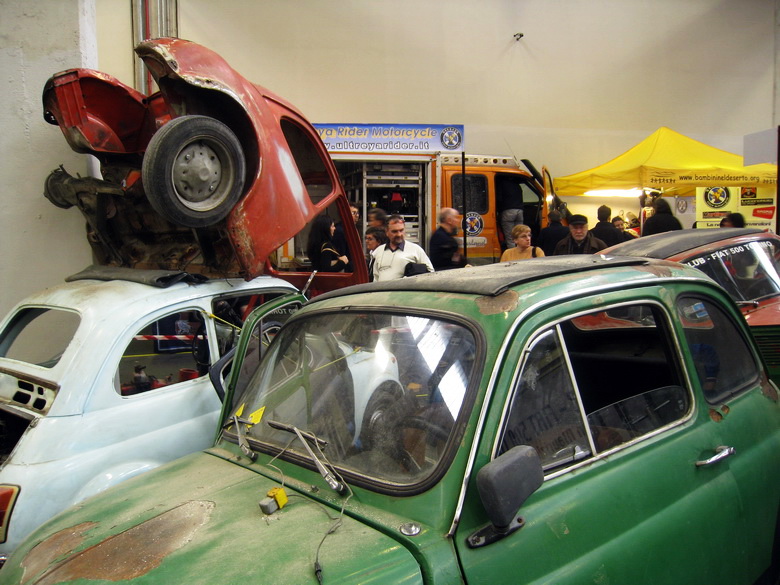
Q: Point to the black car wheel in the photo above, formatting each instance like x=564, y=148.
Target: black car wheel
x=193, y=171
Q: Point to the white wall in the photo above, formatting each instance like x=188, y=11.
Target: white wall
x=39, y=243
x=115, y=39
x=589, y=80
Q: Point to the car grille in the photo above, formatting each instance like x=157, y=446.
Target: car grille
x=768, y=339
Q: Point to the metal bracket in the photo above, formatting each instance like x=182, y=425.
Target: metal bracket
x=490, y=534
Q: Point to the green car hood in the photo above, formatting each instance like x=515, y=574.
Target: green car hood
x=209, y=530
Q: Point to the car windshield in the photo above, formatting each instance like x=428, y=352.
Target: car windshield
x=383, y=390
x=747, y=271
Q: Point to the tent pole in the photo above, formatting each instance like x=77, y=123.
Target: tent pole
x=777, y=162
x=465, y=207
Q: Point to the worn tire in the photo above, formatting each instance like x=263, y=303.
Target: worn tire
x=193, y=171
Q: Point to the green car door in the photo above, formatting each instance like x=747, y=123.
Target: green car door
x=640, y=484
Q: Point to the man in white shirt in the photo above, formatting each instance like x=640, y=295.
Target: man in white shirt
x=391, y=259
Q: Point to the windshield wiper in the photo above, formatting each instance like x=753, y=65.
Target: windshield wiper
x=242, y=442
x=306, y=437
x=314, y=439
x=753, y=303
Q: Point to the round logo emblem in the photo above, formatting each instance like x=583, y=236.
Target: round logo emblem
x=474, y=223
x=451, y=138
x=717, y=197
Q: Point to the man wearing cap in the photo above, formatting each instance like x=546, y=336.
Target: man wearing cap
x=579, y=240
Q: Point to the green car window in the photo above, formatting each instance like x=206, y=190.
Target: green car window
x=545, y=412
x=722, y=358
x=594, y=382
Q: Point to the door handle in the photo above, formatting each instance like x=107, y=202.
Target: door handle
x=720, y=454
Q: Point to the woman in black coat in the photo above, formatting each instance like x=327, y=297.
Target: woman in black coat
x=663, y=220
x=322, y=253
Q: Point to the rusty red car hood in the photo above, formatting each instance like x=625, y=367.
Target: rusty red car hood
x=765, y=313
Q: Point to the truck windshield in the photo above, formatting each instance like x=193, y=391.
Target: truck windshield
x=384, y=391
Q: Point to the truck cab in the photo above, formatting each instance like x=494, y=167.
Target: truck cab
x=419, y=186
x=490, y=181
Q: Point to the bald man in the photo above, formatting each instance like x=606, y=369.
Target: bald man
x=443, y=247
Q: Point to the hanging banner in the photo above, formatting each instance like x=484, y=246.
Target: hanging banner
x=757, y=205
x=391, y=138
x=665, y=178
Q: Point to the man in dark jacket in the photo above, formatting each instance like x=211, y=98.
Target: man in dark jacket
x=443, y=247
x=663, y=220
x=579, y=240
x=552, y=234
x=509, y=203
x=604, y=230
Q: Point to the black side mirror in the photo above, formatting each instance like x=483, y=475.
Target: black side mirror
x=219, y=370
x=504, y=485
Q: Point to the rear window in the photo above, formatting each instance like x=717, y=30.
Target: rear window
x=38, y=336
x=748, y=271
x=724, y=363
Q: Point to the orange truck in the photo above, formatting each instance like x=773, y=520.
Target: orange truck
x=418, y=186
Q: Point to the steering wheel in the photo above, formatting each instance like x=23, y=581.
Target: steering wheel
x=433, y=428
x=268, y=331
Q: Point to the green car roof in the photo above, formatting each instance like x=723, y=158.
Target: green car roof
x=493, y=279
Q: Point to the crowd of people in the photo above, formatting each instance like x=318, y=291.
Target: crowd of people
x=390, y=255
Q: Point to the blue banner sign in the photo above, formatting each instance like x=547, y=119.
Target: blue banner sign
x=392, y=138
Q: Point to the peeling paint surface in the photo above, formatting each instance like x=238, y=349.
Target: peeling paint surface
x=503, y=303
x=657, y=269
x=770, y=392
x=718, y=414
x=150, y=542
x=55, y=546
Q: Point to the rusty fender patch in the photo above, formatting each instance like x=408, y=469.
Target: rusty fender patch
x=717, y=415
x=503, y=303
x=661, y=270
x=769, y=391
x=57, y=545
x=120, y=557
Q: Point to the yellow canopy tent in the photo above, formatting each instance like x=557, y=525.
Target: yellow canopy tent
x=668, y=161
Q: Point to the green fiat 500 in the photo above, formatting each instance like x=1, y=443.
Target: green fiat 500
x=564, y=420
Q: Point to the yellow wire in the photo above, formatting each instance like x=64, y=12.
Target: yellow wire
x=213, y=316
x=354, y=351
x=142, y=355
